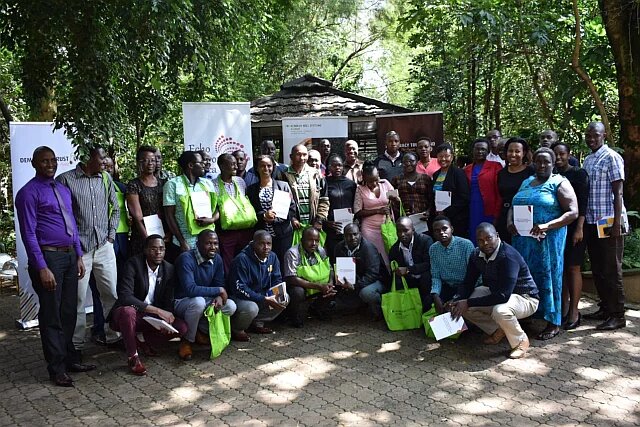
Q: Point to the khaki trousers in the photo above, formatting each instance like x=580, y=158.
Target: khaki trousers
x=504, y=316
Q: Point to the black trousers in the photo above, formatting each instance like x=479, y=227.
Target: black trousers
x=57, y=315
x=606, y=264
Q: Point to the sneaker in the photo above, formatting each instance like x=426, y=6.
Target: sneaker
x=136, y=366
x=184, y=351
x=521, y=349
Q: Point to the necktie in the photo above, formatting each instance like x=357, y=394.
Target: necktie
x=63, y=210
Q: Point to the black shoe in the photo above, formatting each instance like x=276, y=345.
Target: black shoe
x=612, y=323
x=598, y=315
x=81, y=367
x=99, y=339
x=573, y=325
x=62, y=380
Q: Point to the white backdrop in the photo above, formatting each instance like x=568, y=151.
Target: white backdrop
x=26, y=137
x=296, y=130
x=218, y=127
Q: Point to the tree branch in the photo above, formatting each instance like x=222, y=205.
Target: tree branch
x=575, y=64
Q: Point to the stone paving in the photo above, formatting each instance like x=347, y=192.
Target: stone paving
x=343, y=372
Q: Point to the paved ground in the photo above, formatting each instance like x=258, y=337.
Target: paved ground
x=345, y=372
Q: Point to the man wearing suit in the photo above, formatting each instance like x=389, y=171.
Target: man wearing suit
x=411, y=252
x=145, y=288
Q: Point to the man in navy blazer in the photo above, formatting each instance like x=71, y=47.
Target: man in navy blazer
x=145, y=288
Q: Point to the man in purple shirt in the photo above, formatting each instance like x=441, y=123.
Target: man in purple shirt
x=50, y=237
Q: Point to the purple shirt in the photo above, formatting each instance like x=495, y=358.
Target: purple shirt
x=41, y=221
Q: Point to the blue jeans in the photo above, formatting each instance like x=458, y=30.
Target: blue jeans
x=372, y=296
x=191, y=310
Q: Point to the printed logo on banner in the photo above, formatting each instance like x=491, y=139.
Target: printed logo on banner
x=226, y=144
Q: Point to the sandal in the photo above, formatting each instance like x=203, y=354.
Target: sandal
x=547, y=335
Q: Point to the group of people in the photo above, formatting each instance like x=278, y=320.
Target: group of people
x=169, y=247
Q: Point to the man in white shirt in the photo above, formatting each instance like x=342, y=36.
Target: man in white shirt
x=145, y=288
x=495, y=137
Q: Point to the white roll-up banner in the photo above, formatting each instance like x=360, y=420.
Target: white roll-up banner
x=217, y=128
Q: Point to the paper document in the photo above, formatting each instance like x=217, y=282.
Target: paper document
x=343, y=216
x=160, y=324
x=419, y=223
x=280, y=203
x=392, y=193
x=604, y=225
x=523, y=219
x=280, y=292
x=201, y=203
x=153, y=224
x=346, y=269
x=445, y=325
x=443, y=200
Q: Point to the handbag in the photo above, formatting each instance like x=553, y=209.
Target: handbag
x=236, y=213
x=427, y=326
x=219, y=330
x=187, y=208
x=317, y=273
x=297, y=235
x=402, y=309
x=388, y=230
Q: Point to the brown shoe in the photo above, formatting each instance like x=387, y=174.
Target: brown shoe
x=521, y=350
x=495, y=337
x=260, y=330
x=136, y=366
x=202, y=339
x=240, y=336
x=184, y=351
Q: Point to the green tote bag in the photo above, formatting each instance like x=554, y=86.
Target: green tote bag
x=388, y=230
x=236, y=213
x=402, y=309
x=219, y=330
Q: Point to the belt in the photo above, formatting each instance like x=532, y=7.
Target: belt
x=57, y=249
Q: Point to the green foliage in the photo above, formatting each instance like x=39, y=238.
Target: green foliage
x=507, y=64
x=631, y=257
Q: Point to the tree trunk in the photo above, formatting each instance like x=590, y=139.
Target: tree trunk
x=498, y=85
x=622, y=22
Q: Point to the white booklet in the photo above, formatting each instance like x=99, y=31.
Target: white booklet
x=201, y=203
x=343, y=216
x=280, y=203
x=443, y=200
x=346, y=269
x=523, y=219
x=153, y=224
x=160, y=324
x=445, y=325
x=419, y=221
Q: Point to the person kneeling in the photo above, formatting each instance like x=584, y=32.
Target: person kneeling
x=145, y=288
x=508, y=292
x=308, y=273
x=253, y=272
x=369, y=269
x=200, y=284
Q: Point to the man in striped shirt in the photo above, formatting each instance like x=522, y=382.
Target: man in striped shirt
x=95, y=207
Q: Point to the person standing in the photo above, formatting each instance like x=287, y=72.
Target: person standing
x=426, y=164
x=97, y=213
x=50, y=236
x=352, y=165
x=482, y=174
x=267, y=147
x=342, y=192
x=389, y=163
x=494, y=136
x=451, y=178
x=241, y=160
x=605, y=168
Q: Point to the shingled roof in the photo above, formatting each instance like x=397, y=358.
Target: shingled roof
x=310, y=96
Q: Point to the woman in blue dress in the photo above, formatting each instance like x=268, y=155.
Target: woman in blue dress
x=554, y=207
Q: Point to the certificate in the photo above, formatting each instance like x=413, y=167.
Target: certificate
x=445, y=325
x=160, y=324
x=523, y=219
x=419, y=221
x=153, y=224
x=343, y=216
x=443, y=200
x=201, y=203
x=346, y=269
x=280, y=203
